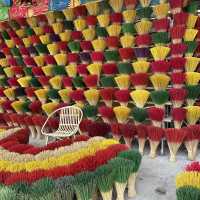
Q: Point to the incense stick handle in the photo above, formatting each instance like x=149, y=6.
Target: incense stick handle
x=120, y=188
x=131, y=185
x=141, y=142
x=107, y=195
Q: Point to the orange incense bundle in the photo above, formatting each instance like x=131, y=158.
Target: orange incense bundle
x=107, y=96
x=175, y=138
x=177, y=96
x=178, y=79
x=106, y=113
x=139, y=80
x=156, y=115
x=177, y=33
x=155, y=135
x=122, y=96
x=178, y=115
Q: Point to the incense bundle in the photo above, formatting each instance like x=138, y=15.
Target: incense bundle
x=178, y=50
x=178, y=64
x=192, y=78
x=56, y=82
x=177, y=33
x=176, y=6
x=124, y=68
x=114, y=30
x=89, y=34
x=142, y=53
x=123, y=81
x=141, y=66
x=159, y=98
x=129, y=15
x=103, y=20
x=160, y=66
x=71, y=70
x=9, y=93
x=91, y=81
x=178, y=115
x=94, y=69
x=48, y=108
x=65, y=95
x=177, y=96
x=191, y=48
x=122, y=96
x=190, y=35
x=145, y=3
x=109, y=69
x=78, y=82
x=112, y=42
x=193, y=92
x=78, y=96
x=130, y=4
x=127, y=29
x=106, y=113
x=90, y=112
x=127, y=41
x=116, y=5
x=160, y=81
x=140, y=97
x=107, y=96
x=160, y=52
x=92, y=96
x=99, y=44
x=139, y=115
x=191, y=64
x=122, y=113
x=143, y=40
x=139, y=80
x=41, y=95
x=161, y=10
x=156, y=115
x=192, y=114
x=143, y=27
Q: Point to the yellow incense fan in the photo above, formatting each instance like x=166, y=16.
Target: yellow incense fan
x=65, y=95
x=191, y=64
x=56, y=82
x=190, y=34
x=32, y=21
x=192, y=78
x=53, y=48
x=89, y=34
x=160, y=52
x=51, y=17
x=140, y=97
x=93, y=8
x=145, y=3
x=80, y=24
x=47, y=70
x=141, y=66
x=94, y=69
x=123, y=81
x=192, y=114
x=69, y=14
x=48, y=108
x=45, y=39
x=27, y=42
x=41, y=94
x=20, y=33
x=161, y=10
x=127, y=41
x=143, y=27
x=3, y=62
x=24, y=81
x=191, y=21
x=122, y=113
x=129, y=16
x=114, y=30
x=103, y=20
x=57, y=27
x=61, y=58
x=160, y=81
x=17, y=106
x=116, y=5
x=10, y=43
x=99, y=44
x=65, y=36
x=38, y=30
x=92, y=96
x=10, y=93
x=9, y=72
x=71, y=70
x=39, y=60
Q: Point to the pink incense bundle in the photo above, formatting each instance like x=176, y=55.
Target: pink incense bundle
x=49, y=59
x=84, y=126
x=35, y=107
x=106, y=113
x=44, y=81
x=86, y=45
x=80, y=11
x=91, y=81
x=37, y=71
x=13, y=82
x=109, y=68
x=116, y=18
x=160, y=66
x=143, y=40
x=97, y=57
x=122, y=96
x=126, y=54
x=76, y=35
x=141, y=131
x=178, y=115
x=156, y=115
x=178, y=79
x=29, y=62
x=30, y=93
x=112, y=42
x=128, y=132
x=35, y=39
x=91, y=21
x=77, y=96
x=178, y=50
x=177, y=96
x=176, y=6
x=177, y=33
x=116, y=132
x=175, y=138
x=178, y=64
x=161, y=25
x=82, y=70
x=67, y=82
x=73, y=58
x=155, y=135
x=24, y=51
x=107, y=96
x=180, y=18
x=139, y=80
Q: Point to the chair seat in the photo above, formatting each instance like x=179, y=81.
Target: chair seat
x=59, y=134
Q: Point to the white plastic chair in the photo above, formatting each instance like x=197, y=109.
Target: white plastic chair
x=69, y=121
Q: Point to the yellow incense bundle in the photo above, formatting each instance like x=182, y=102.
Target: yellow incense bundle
x=140, y=97
x=123, y=81
x=92, y=96
x=160, y=81
x=122, y=113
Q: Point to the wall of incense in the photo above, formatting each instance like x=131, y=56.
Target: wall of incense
x=132, y=66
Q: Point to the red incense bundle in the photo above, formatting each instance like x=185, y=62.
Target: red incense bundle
x=37, y=71
x=18, y=41
x=67, y=82
x=139, y=80
x=180, y=18
x=80, y=11
x=18, y=71
x=116, y=18
x=126, y=54
x=29, y=62
x=86, y=46
x=30, y=124
x=98, y=129
x=178, y=50
x=174, y=138
x=130, y=4
x=109, y=68
x=156, y=115
x=178, y=79
x=44, y=81
x=24, y=51
x=116, y=132
x=112, y=42
x=155, y=135
x=91, y=21
x=160, y=66
x=178, y=64
x=13, y=82
x=84, y=126
x=63, y=47
x=49, y=59
x=106, y=113
x=73, y=58
x=78, y=96
x=143, y=40
x=35, y=39
x=76, y=35
x=107, y=96
x=91, y=81
x=35, y=107
x=97, y=57
x=178, y=115
x=122, y=96
x=177, y=33
x=177, y=96
x=161, y=25
x=30, y=93
x=82, y=70
x=176, y=6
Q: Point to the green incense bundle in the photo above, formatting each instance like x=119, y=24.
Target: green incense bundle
x=21, y=189
x=6, y=193
x=111, y=55
x=43, y=189
x=14, y=25
x=3, y=82
x=193, y=92
x=144, y=13
x=29, y=31
x=105, y=6
x=59, y=15
x=68, y=25
x=15, y=52
x=188, y=193
x=53, y=94
x=74, y=46
x=105, y=181
x=128, y=28
x=41, y=48
x=78, y=82
x=159, y=97
x=101, y=32
x=5, y=35
x=108, y=81
x=191, y=47
x=25, y=106
x=90, y=112
x=160, y=38
x=19, y=92
x=192, y=7
x=136, y=158
x=20, y=61
x=28, y=71
x=64, y=188
x=139, y=114
x=122, y=170
x=125, y=68
x=34, y=82
x=84, y=185
x=59, y=70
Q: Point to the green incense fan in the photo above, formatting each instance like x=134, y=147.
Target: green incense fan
x=125, y=68
x=108, y=81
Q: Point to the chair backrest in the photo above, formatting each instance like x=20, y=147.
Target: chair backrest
x=70, y=118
